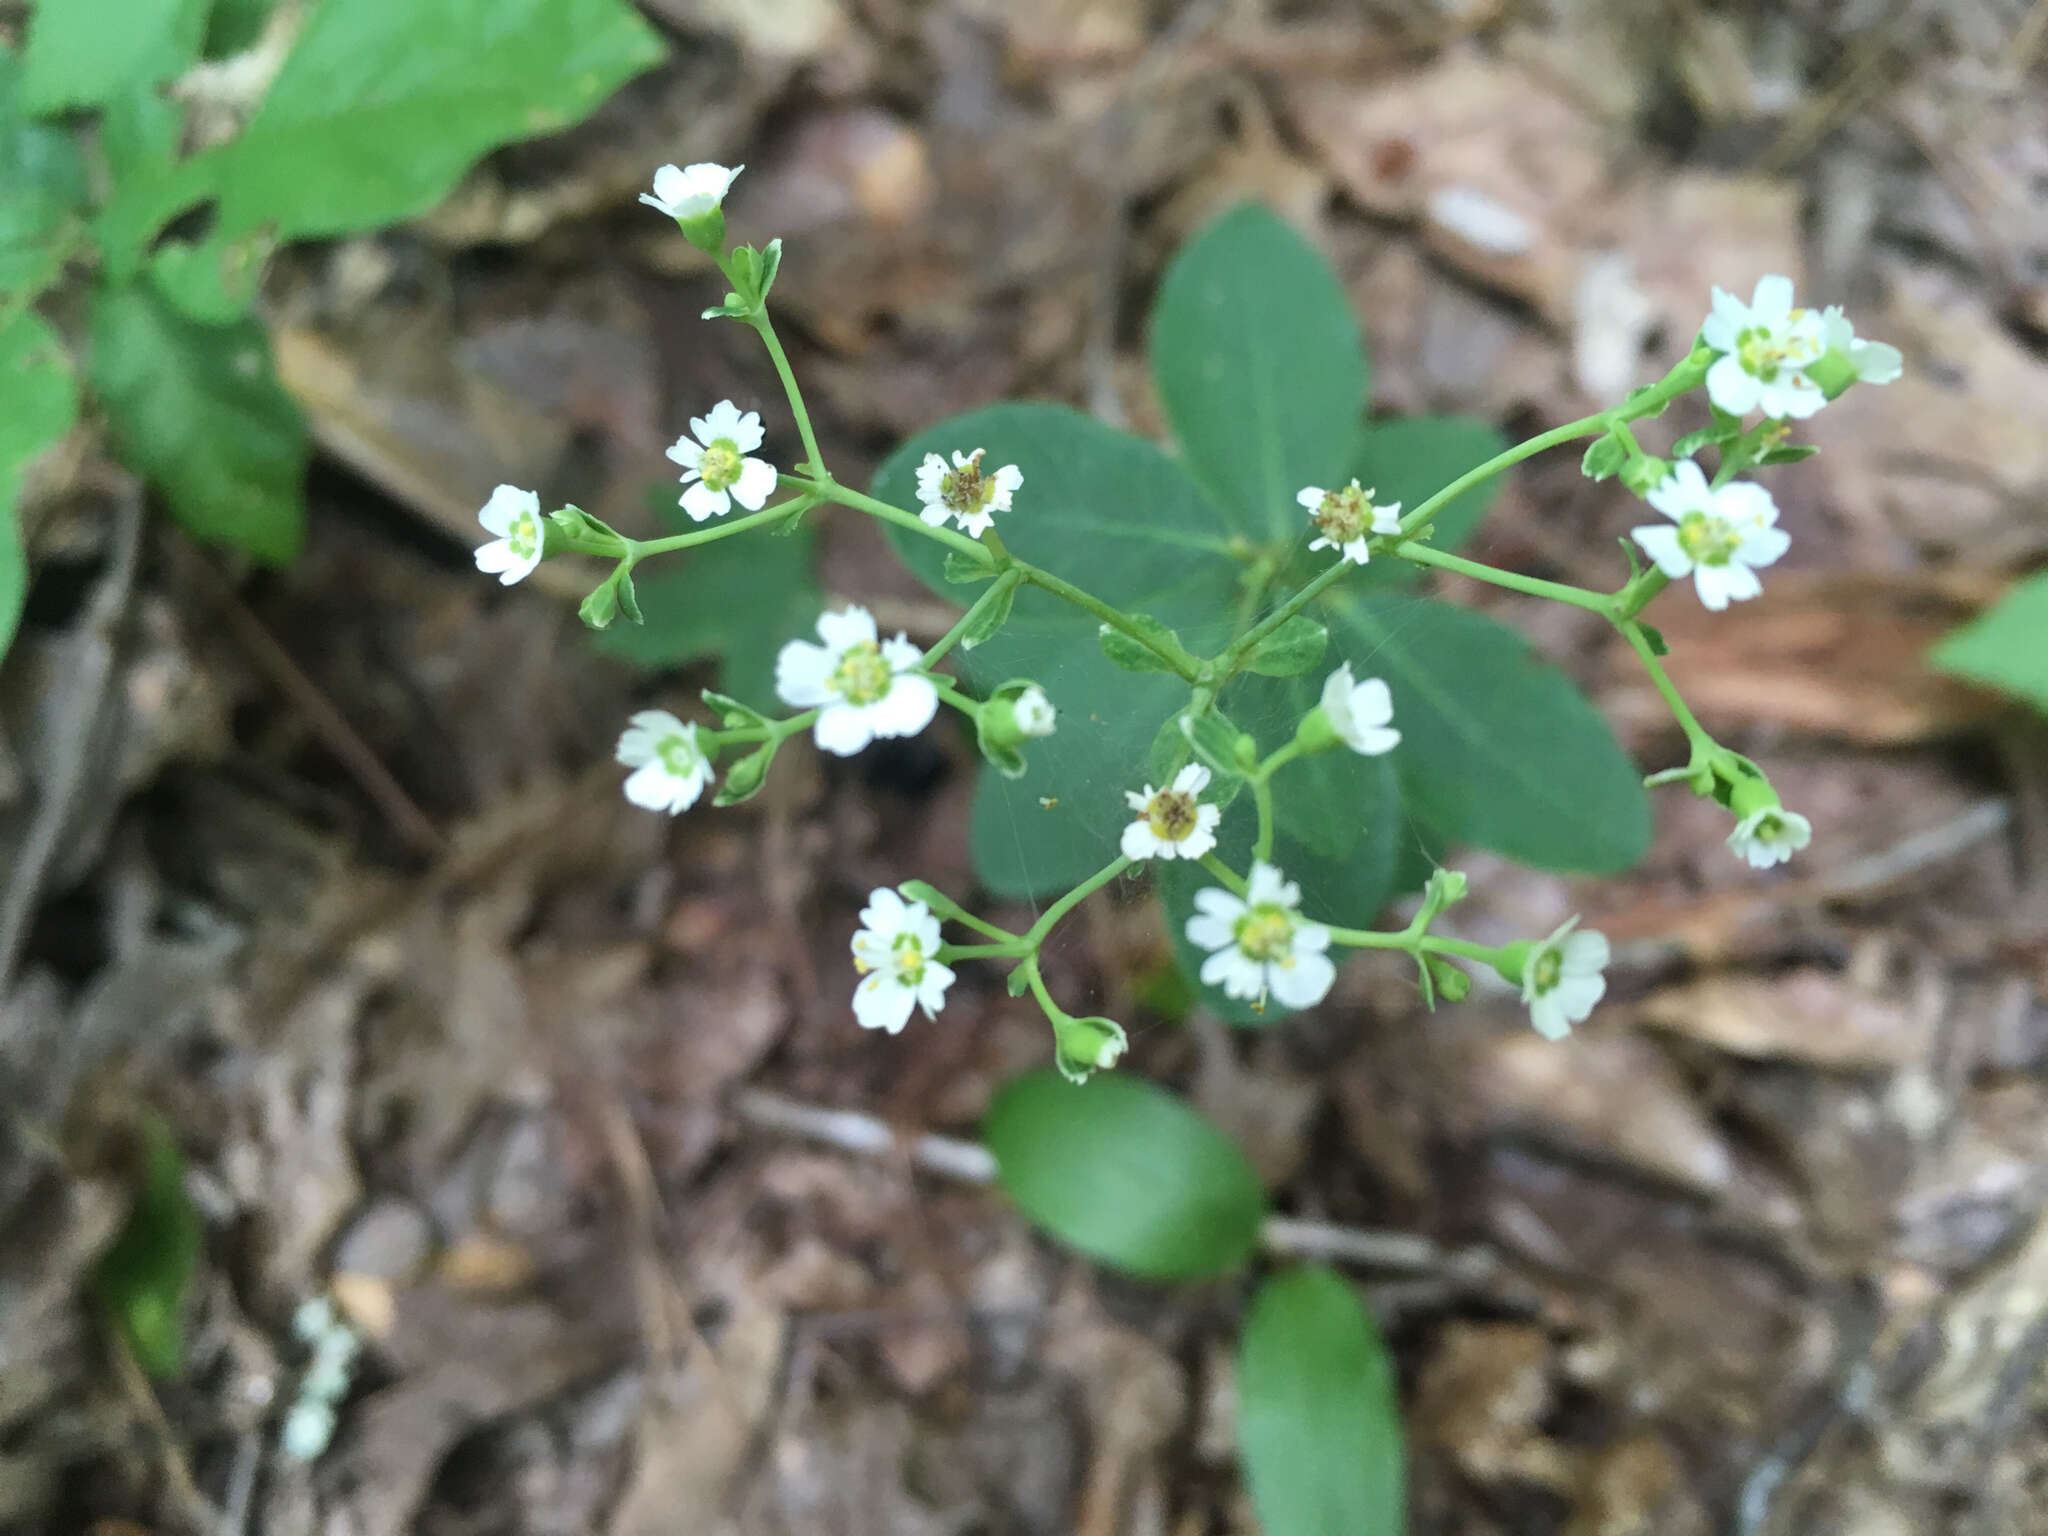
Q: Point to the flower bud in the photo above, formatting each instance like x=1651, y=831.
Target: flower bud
x=1752, y=793
x=1087, y=1045
x=1315, y=733
x=1013, y=714
x=1645, y=474
x=1451, y=982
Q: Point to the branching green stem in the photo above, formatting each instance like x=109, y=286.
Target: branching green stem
x=1073, y=899
x=996, y=591
x=639, y=549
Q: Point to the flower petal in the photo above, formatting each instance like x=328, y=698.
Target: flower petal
x=1771, y=304
x=686, y=451
x=850, y=626
x=1138, y=842
x=1732, y=387
x=843, y=729
x=801, y=671
x=906, y=708
x=700, y=501
x=1192, y=779
x=1303, y=983
x=755, y=485
x=1661, y=544
x=883, y=1002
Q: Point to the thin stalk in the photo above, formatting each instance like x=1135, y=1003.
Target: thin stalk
x=832, y=490
x=1074, y=898
x=1008, y=951
x=1232, y=880
x=1695, y=733
x=1003, y=584
x=765, y=329
x=1262, y=798
x=1186, y=666
x=639, y=549
x=1579, y=597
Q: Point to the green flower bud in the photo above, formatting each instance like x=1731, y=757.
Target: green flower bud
x=1752, y=793
x=1451, y=982
x=1085, y=1046
x=1315, y=733
x=1645, y=474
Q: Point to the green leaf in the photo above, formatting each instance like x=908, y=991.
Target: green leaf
x=1119, y=514
x=739, y=599
x=990, y=616
x=1498, y=747
x=381, y=107
x=1604, y=459
x=1318, y=1419
x=2007, y=647
x=1259, y=365
x=213, y=282
x=1410, y=460
x=1131, y=654
x=84, y=53
x=961, y=569
x=236, y=25
x=142, y=1278
x=42, y=182
x=198, y=411
x=1125, y=1172
x=1294, y=647
x=732, y=714
x=744, y=776
x=1788, y=453
x=1214, y=741
x=38, y=403
x=1721, y=430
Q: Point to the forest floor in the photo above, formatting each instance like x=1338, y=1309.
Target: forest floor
x=328, y=867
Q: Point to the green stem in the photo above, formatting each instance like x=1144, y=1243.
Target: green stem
x=1233, y=882
x=1262, y=798
x=832, y=490
x=1695, y=733
x=1177, y=658
x=1074, y=898
x=1578, y=597
x=639, y=549
x=1007, y=950
x=997, y=589
x=1053, y=1010
x=1634, y=597
x=765, y=329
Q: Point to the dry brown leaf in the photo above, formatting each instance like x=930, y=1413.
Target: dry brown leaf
x=1812, y=1015
x=1482, y=1398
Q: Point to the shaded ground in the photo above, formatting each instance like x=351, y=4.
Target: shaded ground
x=329, y=867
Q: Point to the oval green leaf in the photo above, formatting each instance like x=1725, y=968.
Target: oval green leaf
x=2006, y=648
x=38, y=403
x=1318, y=1420
x=1127, y=1173
x=1260, y=366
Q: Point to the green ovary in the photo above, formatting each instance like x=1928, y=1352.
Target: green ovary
x=1266, y=933
x=862, y=676
x=906, y=955
x=1548, y=969
x=677, y=756
x=720, y=466
x=524, y=537
x=1706, y=539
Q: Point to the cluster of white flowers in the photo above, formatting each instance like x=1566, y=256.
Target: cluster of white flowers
x=1346, y=519
x=1771, y=352
x=964, y=493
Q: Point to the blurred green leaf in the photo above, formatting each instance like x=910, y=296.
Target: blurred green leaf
x=142, y=1278
x=84, y=53
x=42, y=182
x=2007, y=647
x=38, y=403
x=1127, y=1173
x=381, y=107
x=1259, y=364
x=197, y=411
x=738, y=599
x=1293, y=648
x=1318, y=1422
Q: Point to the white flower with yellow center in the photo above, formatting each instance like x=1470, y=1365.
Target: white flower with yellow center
x=1770, y=835
x=717, y=461
x=964, y=492
x=669, y=769
x=895, y=952
x=1346, y=519
x=1362, y=714
x=861, y=687
x=1723, y=534
x=1260, y=944
x=690, y=192
x=1562, y=979
x=514, y=516
x=1172, y=823
x=1766, y=345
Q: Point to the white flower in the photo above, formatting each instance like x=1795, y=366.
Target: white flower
x=1346, y=518
x=1261, y=944
x=690, y=192
x=1770, y=835
x=717, y=462
x=894, y=952
x=1172, y=823
x=514, y=516
x=860, y=688
x=1362, y=714
x=963, y=493
x=1723, y=535
x=1562, y=980
x=1873, y=362
x=1767, y=345
x=669, y=769
x=1034, y=713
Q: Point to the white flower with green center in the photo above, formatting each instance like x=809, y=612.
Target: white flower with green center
x=1346, y=519
x=1724, y=534
x=1770, y=835
x=895, y=951
x=690, y=192
x=964, y=492
x=1870, y=362
x=1562, y=979
x=1172, y=823
x=1035, y=716
x=514, y=516
x=1766, y=345
x=861, y=687
x=669, y=769
x=717, y=461
x=1260, y=944
x=1362, y=714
